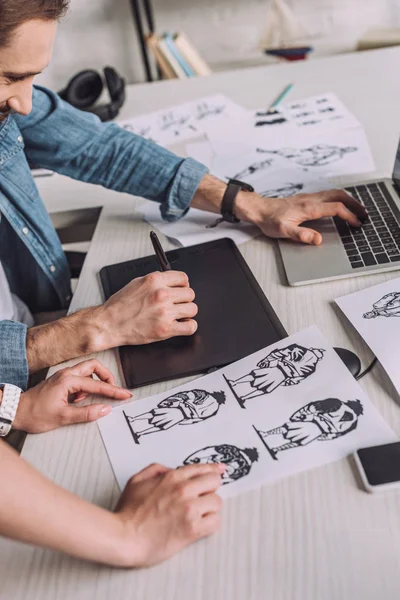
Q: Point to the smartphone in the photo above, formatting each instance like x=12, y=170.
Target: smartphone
x=379, y=467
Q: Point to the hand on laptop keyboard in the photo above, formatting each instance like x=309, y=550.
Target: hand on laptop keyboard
x=282, y=217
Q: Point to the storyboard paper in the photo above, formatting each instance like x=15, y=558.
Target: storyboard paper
x=184, y=121
x=285, y=409
x=375, y=313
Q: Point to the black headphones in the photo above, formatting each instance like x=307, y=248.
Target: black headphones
x=85, y=89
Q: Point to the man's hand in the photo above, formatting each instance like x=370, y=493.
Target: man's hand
x=48, y=405
x=163, y=510
x=282, y=217
x=149, y=309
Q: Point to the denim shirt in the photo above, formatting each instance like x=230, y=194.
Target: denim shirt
x=59, y=137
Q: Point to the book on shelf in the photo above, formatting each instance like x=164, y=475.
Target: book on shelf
x=176, y=56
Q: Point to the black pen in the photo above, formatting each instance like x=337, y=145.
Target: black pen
x=160, y=254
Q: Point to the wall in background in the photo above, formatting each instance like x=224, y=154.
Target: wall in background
x=100, y=32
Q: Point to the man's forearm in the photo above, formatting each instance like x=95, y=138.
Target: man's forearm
x=36, y=511
x=209, y=196
x=76, y=335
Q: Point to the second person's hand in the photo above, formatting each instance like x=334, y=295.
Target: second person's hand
x=52, y=403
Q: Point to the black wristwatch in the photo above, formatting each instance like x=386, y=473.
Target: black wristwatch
x=228, y=201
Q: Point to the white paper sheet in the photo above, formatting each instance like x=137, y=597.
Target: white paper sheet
x=339, y=153
x=375, y=313
x=197, y=226
x=294, y=121
x=288, y=408
x=184, y=121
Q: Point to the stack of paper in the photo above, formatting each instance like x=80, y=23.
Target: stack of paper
x=295, y=149
x=285, y=409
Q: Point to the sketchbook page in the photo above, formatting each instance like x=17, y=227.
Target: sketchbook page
x=375, y=313
x=197, y=226
x=290, y=407
x=339, y=153
x=304, y=404
x=184, y=121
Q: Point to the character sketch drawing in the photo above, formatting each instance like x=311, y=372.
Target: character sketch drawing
x=388, y=306
x=320, y=421
x=288, y=366
x=318, y=155
x=182, y=408
x=238, y=461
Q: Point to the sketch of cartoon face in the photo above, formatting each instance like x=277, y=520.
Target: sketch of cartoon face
x=290, y=189
x=319, y=421
x=333, y=416
x=238, y=462
x=196, y=404
x=285, y=367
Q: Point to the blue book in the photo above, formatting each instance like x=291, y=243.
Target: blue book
x=186, y=67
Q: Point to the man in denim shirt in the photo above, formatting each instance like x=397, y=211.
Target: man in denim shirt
x=38, y=128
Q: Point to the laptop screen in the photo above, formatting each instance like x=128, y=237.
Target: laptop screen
x=396, y=168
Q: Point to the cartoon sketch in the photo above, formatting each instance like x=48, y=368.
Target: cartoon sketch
x=287, y=190
x=143, y=130
x=238, y=461
x=311, y=122
x=315, y=156
x=182, y=408
x=388, y=306
x=320, y=421
x=176, y=123
x=327, y=109
x=255, y=167
x=204, y=110
x=321, y=100
x=288, y=366
x=302, y=114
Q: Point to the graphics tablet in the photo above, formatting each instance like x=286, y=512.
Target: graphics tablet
x=234, y=318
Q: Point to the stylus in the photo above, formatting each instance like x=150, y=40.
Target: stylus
x=160, y=254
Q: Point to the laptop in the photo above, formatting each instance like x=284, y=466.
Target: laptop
x=347, y=251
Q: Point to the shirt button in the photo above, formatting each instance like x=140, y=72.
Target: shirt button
x=52, y=268
x=25, y=230
x=20, y=139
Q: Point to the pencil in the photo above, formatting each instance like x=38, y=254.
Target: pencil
x=281, y=97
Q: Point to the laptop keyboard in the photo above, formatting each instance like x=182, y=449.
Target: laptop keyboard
x=378, y=241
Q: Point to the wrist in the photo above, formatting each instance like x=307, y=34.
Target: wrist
x=247, y=207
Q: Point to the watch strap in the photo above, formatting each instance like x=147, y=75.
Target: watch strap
x=228, y=201
x=8, y=407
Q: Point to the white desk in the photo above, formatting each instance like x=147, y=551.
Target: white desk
x=315, y=536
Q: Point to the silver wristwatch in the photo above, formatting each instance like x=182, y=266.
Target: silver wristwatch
x=8, y=406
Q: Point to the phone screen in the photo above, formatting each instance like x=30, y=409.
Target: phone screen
x=381, y=463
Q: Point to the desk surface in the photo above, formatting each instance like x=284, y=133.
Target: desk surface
x=314, y=536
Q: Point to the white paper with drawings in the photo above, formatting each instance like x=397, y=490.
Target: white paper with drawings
x=285, y=409
x=197, y=226
x=340, y=153
x=375, y=313
x=183, y=121
x=315, y=116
